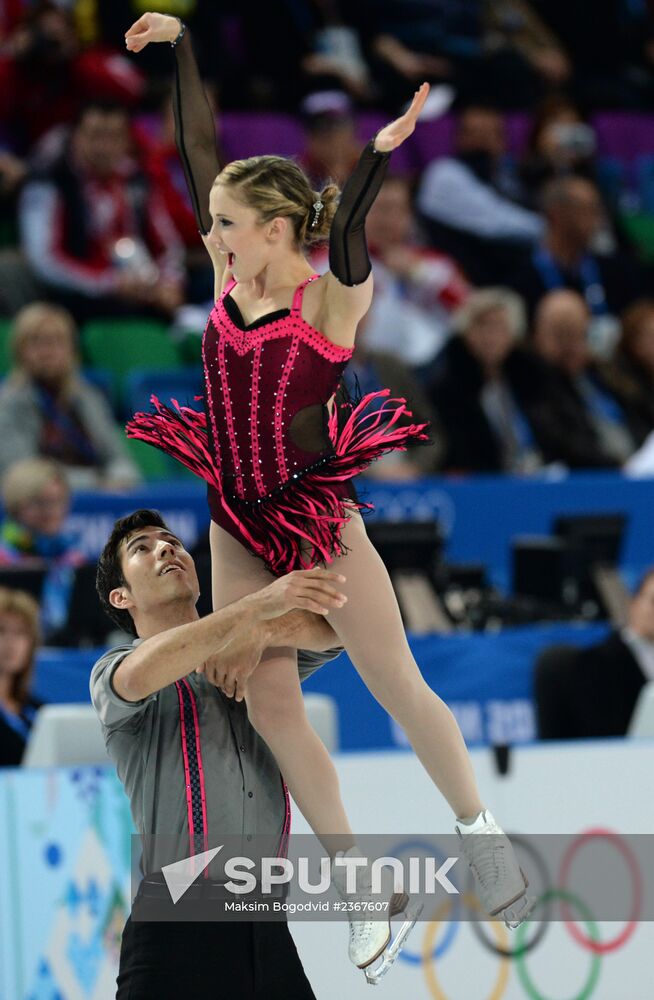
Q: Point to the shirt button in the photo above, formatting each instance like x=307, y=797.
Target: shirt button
x=242, y=748
x=249, y=836
x=250, y=794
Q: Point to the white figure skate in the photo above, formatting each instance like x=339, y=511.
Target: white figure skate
x=370, y=940
x=501, y=884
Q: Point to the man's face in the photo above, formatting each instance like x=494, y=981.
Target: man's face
x=332, y=141
x=390, y=218
x=578, y=215
x=481, y=130
x=47, y=44
x=641, y=610
x=158, y=571
x=101, y=140
x=561, y=337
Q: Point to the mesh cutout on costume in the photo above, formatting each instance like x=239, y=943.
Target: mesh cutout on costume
x=308, y=428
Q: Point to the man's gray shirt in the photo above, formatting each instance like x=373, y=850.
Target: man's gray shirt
x=243, y=787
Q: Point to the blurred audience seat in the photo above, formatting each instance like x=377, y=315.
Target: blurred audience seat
x=5, y=353
x=642, y=721
x=122, y=345
x=182, y=384
x=65, y=735
x=71, y=735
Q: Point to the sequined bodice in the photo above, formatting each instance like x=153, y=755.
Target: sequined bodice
x=266, y=395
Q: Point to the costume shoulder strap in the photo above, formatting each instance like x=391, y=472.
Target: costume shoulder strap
x=296, y=308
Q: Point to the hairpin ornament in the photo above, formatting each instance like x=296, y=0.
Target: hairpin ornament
x=317, y=209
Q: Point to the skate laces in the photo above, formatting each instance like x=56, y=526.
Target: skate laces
x=488, y=861
x=359, y=929
x=487, y=858
x=360, y=926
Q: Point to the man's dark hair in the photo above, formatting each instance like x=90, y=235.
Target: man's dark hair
x=485, y=107
x=110, y=572
x=103, y=106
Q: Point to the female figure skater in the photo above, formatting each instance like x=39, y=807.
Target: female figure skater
x=279, y=454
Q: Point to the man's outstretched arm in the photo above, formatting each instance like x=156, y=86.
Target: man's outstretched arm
x=165, y=658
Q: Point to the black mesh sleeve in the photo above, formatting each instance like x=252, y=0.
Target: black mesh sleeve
x=348, y=252
x=195, y=132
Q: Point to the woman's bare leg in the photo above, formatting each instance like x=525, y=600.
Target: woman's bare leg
x=370, y=627
x=276, y=707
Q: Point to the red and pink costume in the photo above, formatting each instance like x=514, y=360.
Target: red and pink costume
x=267, y=389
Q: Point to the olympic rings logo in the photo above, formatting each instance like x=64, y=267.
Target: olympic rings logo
x=448, y=914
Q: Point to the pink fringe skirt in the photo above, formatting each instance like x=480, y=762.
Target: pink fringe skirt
x=299, y=524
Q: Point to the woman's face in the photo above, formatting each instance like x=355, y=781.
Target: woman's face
x=489, y=337
x=47, y=355
x=15, y=643
x=237, y=232
x=46, y=512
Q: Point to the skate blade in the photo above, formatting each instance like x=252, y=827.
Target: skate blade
x=517, y=912
x=373, y=976
x=513, y=918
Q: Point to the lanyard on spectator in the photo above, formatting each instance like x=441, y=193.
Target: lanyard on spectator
x=589, y=276
x=600, y=402
x=67, y=429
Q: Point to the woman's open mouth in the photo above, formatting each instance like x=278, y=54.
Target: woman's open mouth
x=230, y=259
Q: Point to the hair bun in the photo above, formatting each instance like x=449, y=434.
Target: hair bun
x=320, y=214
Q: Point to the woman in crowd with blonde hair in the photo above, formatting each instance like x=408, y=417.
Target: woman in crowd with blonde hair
x=36, y=498
x=19, y=641
x=48, y=408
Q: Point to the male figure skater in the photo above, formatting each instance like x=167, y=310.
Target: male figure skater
x=175, y=724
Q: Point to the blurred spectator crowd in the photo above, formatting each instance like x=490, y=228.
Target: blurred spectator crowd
x=512, y=247
x=513, y=277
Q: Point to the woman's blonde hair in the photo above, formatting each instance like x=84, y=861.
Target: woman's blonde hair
x=25, y=480
x=29, y=321
x=17, y=602
x=489, y=299
x=275, y=186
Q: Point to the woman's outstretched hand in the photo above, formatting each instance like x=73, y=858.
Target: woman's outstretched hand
x=151, y=28
x=393, y=135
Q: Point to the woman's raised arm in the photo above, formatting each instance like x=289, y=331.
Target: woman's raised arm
x=195, y=132
x=349, y=262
